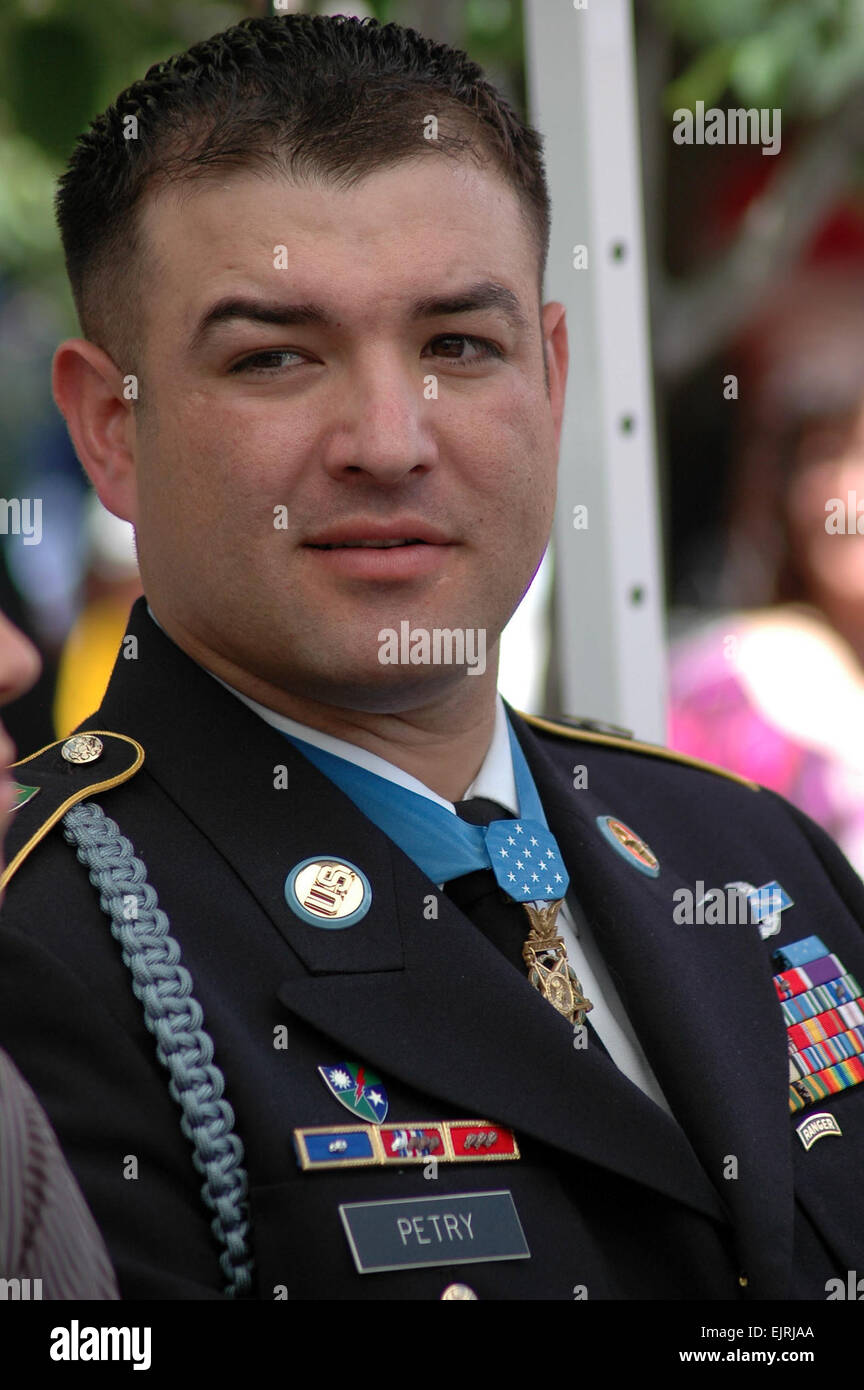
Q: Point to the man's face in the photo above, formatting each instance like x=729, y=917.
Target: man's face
x=380, y=414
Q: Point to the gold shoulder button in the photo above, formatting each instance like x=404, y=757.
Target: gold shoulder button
x=587, y=731
x=82, y=748
x=62, y=775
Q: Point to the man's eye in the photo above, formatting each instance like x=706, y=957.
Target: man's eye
x=264, y=362
x=449, y=345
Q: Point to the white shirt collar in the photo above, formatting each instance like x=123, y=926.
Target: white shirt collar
x=495, y=779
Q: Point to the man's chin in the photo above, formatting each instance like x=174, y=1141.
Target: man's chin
x=384, y=690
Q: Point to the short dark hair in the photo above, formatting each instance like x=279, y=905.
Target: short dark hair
x=297, y=95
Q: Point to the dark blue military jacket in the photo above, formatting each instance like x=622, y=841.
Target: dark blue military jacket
x=615, y=1198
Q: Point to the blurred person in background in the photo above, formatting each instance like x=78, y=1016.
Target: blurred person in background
x=50, y=1247
x=774, y=689
x=110, y=586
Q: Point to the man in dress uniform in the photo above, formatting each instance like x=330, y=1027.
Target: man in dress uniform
x=338, y=978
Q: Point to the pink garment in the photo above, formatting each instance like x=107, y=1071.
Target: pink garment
x=713, y=716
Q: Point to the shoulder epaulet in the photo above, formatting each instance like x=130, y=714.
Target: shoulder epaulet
x=50, y=781
x=591, y=731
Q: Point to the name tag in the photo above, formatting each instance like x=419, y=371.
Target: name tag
x=413, y=1232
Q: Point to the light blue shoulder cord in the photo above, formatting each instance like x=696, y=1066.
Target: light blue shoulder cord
x=175, y=1018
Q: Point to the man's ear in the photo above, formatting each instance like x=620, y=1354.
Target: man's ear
x=554, y=326
x=89, y=391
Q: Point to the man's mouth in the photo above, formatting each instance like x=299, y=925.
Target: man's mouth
x=373, y=533
x=367, y=545
x=402, y=549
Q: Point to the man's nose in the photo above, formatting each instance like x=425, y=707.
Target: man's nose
x=384, y=424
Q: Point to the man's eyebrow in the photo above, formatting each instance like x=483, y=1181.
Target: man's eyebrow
x=485, y=295
x=257, y=311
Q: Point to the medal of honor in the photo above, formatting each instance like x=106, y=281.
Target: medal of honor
x=549, y=970
x=527, y=864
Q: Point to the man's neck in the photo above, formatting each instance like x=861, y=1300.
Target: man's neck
x=442, y=743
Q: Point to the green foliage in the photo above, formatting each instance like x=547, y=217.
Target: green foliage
x=61, y=63
x=495, y=39
x=804, y=56
x=26, y=214
x=382, y=10
x=51, y=68
x=706, y=78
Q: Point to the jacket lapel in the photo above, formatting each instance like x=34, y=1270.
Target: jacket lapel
x=702, y=1004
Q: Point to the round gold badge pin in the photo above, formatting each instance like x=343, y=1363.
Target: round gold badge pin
x=629, y=845
x=329, y=893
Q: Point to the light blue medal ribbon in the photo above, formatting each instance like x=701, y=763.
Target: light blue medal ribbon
x=522, y=854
